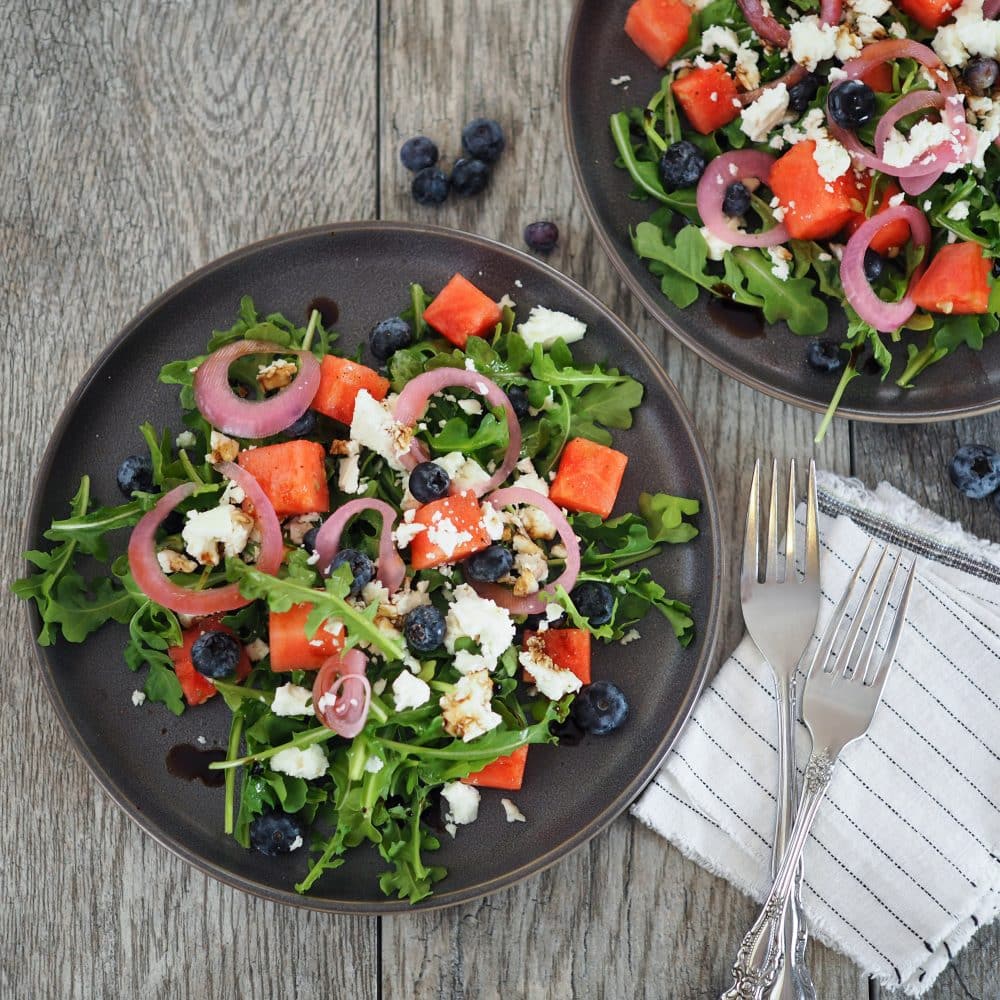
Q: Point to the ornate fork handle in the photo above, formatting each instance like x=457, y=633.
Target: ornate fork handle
x=763, y=949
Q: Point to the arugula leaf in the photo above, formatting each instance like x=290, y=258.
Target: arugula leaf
x=638, y=593
x=163, y=686
x=456, y=435
x=791, y=299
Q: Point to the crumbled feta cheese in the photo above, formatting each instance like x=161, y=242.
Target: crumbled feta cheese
x=630, y=636
x=551, y=680
x=849, y=45
x=223, y=449
x=969, y=35
x=467, y=710
x=374, y=764
x=553, y=612
x=513, y=814
x=299, y=526
x=375, y=427
x=349, y=470
x=717, y=37
x=617, y=81
x=406, y=532
x=470, y=365
x=869, y=29
x=959, y=211
x=902, y=151
x=447, y=537
x=948, y=45
x=202, y=740
x=716, y=247
x=409, y=691
x=233, y=493
x=471, y=406
x=811, y=41
x=765, y=113
x=224, y=527
x=276, y=375
x=257, y=650
x=897, y=30
x=463, y=802
x=873, y=8
x=529, y=479
x=831, y=158
x=291, y=699
x=546, y=326
x=300, y=762
x=138, y=698
x=896, y=200
x=185, y=440
x=175, y=562
x=493, y=521
x=537, y=524
x=295, y=844
x=379, y=686
x=779, y=262
x=473, y=617
x=465, y=473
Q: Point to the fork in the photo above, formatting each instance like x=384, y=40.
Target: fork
x=841, y=696
x=780, y=615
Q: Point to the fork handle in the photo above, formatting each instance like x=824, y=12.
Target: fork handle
x=762, y=952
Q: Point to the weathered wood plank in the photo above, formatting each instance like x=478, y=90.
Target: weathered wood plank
x=140, y=141
x=627, y=915
x=915, y=459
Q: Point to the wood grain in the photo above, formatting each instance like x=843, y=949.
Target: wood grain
x=140, y=141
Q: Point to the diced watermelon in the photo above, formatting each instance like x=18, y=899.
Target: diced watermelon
x=814, y=208
x=707, y=97
x=659, y=28
x=957, y=281
x=291, y=648
x=340, y=382
x=505, y=772
x=292, y=474
x=928, y=14
x=460, y=310
x=455, y=530
x=891, y=237
x=879, y=78
x=197, y=687
x=568, y=648
x=589, y=477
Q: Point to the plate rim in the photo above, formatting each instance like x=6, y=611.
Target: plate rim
x=654, y=307
x=595, y=825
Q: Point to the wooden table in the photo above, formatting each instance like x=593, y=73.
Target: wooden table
x=140, y=141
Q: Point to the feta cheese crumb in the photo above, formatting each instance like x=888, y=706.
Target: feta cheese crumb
x=295, y=844
x=348, y=469
x=902, y=151
x=780, y=259
x=223, y=449
x=546, y=326
x=447, y=537
x=224, y=528
x=765, y=113
x=406, y=532
x=811, y=41
x=831, y=158
x=716, y=247
x=301, y=762
x=175, y=562
x=465, y=473
x=185, y=440
x=473, y=617
x=375, y=427
x=959, y=211
x=897, y=30
x=374, y=764
x=467, y=710
x=257, y=650
x=897, y=199
x=409, y=691
x=552, y=681
x=617, y=81
x=630, y=636
x=138, y=698
x=463, y=802
x=513, y=814
x=529, y=479
x=291, y=699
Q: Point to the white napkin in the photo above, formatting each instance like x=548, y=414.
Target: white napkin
x=904, y=861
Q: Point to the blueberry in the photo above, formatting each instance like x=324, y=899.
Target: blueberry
x=852, y=104
x=975, y=470
x=388, y=336
x=996, y=270
x=874, y=265
x=418, y=153
x=518, y=397
x=309, y=538
x=429, y=481
x=362, y=568
x=274, y=833
x=429, y=187
x=599, y=708
x=541, y=236
x=490, y=564
x=594, y=601
x=681, y=165
x=568, y=733
x=469, y=177
x=825, y=356
x=423, y=629
x=736, y=200
x=215, y=654
x=801, y=93
x=135, y=473
x=980, y=74
x=483, y=139
x=303, y=427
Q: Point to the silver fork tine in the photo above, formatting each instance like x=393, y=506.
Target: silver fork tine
x=751, y=541
x=878, y=681
x=822, y=654
x=771, y=568
x=869, y=646
x=811, y=567
x=846, y=651
x=790, y=525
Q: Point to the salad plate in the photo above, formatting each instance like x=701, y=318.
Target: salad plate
x=151, y=762
x=604, y=74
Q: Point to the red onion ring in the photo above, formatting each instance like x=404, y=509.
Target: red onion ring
x=831, y=11
x=154, y=583
x=243, y=417
x=764, y=23
x=796, y=74
x=412, y=403
x=390, y=568
x=716, y=177
x=534, y=604
x=990, y=9
x=343, y=677
x=884, y=316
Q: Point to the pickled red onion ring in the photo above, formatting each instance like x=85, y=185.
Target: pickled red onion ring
x=717, y=176
x=342, y=694
x=155, y=584
x=831, y=11
x=884, y=316
x=223, y=409
x=990, y=9
x=390, y=566
x=764, y=23
x=535, y=603
x=412, y=403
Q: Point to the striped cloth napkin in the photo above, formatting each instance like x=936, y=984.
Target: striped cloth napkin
x=904, y=862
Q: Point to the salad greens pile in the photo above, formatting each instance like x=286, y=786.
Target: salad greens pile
x=382, y=786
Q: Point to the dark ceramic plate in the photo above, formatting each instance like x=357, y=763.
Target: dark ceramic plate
x=771, y=359
x=572, y=792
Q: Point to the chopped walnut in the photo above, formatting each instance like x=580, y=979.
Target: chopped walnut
x=175, y=562
x=299, y=526
x=343, y=446
x=276, y=375
x=525, y=585
x=224, y=449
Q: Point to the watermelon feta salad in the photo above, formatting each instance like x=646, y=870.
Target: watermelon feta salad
x=810, y=153
x=391, y=573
